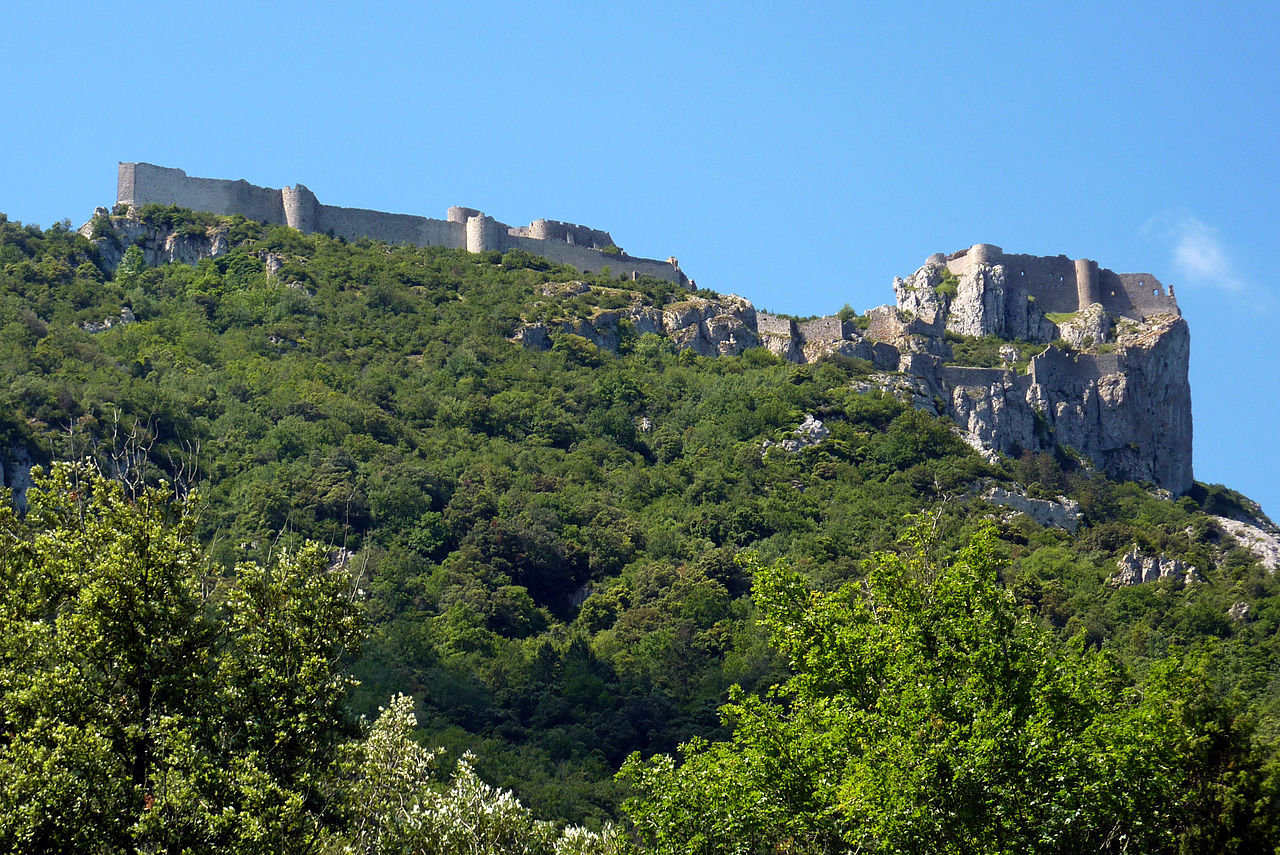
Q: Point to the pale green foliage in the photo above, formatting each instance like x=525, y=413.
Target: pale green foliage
x=399, y=804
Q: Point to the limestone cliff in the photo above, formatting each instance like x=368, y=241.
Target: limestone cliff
x=112, y=235
x=1108, y=377
x=1096, y=361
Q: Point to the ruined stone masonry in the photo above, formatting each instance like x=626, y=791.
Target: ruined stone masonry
x=1110, y=381
x=1117, y=393
x=141, y=184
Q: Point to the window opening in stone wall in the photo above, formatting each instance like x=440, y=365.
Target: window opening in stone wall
x=1155, y=292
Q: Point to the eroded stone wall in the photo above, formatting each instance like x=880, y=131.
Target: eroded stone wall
x=144, y=183
x=1059, y=284
x=141, y=184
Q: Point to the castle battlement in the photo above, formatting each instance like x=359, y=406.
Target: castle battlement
x=585, y=248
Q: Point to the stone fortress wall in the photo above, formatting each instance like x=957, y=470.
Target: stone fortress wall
x=1060, y=284
x=464, y=228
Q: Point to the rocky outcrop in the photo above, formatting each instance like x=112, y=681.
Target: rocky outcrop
x=1089, y=327
x=1064, y=513
x=1128, y=411
x=810, y=432
x=1261, y=542
x=1134, y=568
x=724, y=326
x=126, y=317
x=1118, y=394
x=159, y=245
x=988, y=303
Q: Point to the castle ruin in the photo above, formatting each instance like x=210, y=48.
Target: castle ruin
x=589, y=250
x=1059, y=284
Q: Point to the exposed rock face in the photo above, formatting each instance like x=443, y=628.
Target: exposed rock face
x=1064, y=513
x=721, y=327
x=1089, y=327
x=917, y=295
x=1121, y=398
x=810, y=432
x=1130, y=412
x=1134, y=568
x=989, y=302
x=1262, y=543
x=159, y=246
x=126, y=318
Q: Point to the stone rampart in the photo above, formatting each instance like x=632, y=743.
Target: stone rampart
x=767, y=324
x=141, y=184
x=1057, y=368
x=830, y=328
x=570, y=233
x=1059, y=284
x=1135, y=295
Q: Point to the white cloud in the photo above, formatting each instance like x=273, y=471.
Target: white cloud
x=1199, y=257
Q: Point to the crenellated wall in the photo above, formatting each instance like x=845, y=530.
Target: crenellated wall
x=141, y=184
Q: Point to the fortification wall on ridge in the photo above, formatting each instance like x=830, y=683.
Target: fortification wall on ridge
x=1060, y=284
x=767, y=324
x=1057, y=369
x=356, y=223
x=145, y=184
x=593, y=261
x=141, y=184
x=830, y=328
x=570, y=233
x=1135, y=295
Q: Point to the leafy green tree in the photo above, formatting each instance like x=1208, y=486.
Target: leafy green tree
x=927, y=712
x=148, y=706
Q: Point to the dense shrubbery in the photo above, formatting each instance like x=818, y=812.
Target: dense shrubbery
x=548, y=539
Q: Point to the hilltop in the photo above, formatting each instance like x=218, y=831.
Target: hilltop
x=548, y=482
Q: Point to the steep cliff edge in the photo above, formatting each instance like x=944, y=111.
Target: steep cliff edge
x=1112, y=384
x=1092, y=361
x=1018, y=361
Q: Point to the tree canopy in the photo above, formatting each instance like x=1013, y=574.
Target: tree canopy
x=927, y=711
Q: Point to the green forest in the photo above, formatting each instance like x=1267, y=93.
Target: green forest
x=318, y=559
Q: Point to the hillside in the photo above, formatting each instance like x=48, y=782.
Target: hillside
x=548, y=506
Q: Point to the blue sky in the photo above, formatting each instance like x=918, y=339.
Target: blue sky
x=798, y=154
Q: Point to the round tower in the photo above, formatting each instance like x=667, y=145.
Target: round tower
x=540, y=229
x=481, y=233
x=984, y=253
x=1086, y=283
x=459, y=214
x=301, y=208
